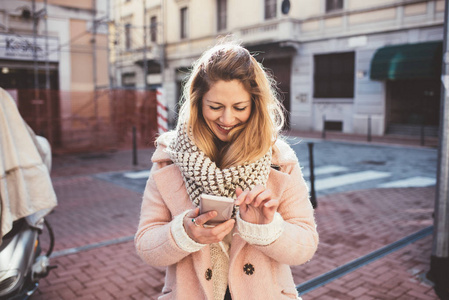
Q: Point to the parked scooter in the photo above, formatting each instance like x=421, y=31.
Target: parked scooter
x=22, y=263
x=26, y=198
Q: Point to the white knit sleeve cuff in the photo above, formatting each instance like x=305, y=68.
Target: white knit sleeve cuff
x=181, y=237
x=261, y=234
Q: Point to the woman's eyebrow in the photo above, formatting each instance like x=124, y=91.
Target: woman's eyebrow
x=238, y=103
x=213, y=102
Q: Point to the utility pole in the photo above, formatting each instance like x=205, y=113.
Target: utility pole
x=94, y=60
x=49, y=118
x=110, y=69
x=145, y=62
x=439, y=261
x=162, y=51
x=36, y=101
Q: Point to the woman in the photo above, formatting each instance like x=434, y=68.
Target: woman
x=226, y=144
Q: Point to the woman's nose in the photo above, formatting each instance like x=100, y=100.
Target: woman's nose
x=227, y=118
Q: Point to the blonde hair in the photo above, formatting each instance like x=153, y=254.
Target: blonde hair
x=247, y=143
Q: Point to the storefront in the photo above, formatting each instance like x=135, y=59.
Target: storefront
x=412, y=76
x=30, y=75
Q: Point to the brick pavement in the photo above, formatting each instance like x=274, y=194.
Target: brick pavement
x=350, y=224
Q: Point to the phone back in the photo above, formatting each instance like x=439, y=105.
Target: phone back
x=223, y=205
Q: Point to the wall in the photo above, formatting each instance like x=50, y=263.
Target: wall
x=369, y=95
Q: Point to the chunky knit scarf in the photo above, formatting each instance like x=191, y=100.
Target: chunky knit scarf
x=201, y=175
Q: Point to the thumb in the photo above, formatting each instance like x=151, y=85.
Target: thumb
x=193, y=213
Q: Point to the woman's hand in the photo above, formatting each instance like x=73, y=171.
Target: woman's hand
x=256, y=206
x=206, y=235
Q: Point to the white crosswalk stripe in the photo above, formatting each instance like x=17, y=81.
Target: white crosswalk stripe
x=325, y=170
x=350, y=178
x=137, y=175
x=417, y=181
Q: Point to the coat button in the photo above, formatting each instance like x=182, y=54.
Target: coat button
x=248, y=269
x=208, y=274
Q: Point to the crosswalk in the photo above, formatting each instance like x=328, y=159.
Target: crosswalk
x=335, y=178
x=351, y=178
x=339, y=176
x=417, y=181
x=137, y=175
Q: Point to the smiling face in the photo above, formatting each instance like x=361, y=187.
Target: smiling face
x=226, y=105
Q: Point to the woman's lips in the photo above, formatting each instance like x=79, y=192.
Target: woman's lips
x=225, y=129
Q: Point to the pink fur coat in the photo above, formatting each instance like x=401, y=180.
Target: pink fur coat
x=255, y=272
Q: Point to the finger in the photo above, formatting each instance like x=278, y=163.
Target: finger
x=241, y=197
x=208, y=235
x=269, y=209
x=238, y=191
x=203, y=218
x=243, y=207
x=223, y=229
x=229, y=226
x=262, y=197
x=253, y=193
x=273, y=203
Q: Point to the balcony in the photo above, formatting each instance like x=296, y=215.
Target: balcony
x=356, y=21
x=133, y=55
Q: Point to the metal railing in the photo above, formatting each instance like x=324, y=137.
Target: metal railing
x=102, y=119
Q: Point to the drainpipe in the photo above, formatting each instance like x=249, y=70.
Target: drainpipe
x=36, y=101
x=439, y=261
x=145, y=62
x=94, y=60
x=47, y=80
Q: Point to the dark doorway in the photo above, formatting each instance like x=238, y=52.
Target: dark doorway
x=281, y=71
x=38, y=107
x=412, y=104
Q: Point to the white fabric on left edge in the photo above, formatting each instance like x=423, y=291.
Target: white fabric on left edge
x=26, y=189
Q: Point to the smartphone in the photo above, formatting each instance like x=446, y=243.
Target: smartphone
x=223, y=205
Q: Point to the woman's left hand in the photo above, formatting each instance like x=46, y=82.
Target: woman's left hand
x=256, y=206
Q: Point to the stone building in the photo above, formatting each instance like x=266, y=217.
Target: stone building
x=344, y=65
x=54, y=62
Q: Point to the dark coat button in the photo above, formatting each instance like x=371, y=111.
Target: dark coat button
x=248, y=269
x=208, y=274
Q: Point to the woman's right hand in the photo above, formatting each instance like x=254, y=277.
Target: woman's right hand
x=206, y=235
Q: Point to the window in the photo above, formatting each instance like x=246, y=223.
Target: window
x=332, y=5
x=184, y=23
x=128, y=36
x=129, y=79
x=270, y=9
x=221, y=15
x=153, y=29
x=334, y=75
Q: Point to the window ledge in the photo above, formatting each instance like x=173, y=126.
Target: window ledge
x=333, y=100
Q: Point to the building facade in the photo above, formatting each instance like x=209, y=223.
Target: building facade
x=347, y=65
x=54, y=62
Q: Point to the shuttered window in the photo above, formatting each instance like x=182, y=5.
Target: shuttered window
x=334, y=75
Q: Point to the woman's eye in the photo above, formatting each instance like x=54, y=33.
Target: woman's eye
x=240, y=108
x=215, y=107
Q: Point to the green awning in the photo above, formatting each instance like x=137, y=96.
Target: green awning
x=408, y=61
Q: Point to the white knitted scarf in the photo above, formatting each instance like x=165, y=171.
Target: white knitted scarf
x=202, y=175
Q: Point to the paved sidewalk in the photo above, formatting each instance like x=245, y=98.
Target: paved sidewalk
x=97, y=219
x=399, y=140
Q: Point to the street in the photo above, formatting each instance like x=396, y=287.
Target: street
x=340, y=167
x=100, y=194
